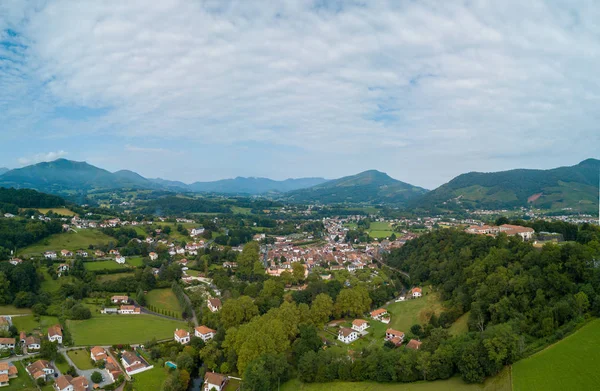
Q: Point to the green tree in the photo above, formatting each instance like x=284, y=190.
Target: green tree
x=298, y=271
x=246, y=260
x=352, y=302
x=582, y=303
x=321, y=309
x=96, y=377
x=238, y=311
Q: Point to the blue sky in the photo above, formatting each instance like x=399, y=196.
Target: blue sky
x=190, y=90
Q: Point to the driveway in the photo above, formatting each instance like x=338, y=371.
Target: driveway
x=88, y=372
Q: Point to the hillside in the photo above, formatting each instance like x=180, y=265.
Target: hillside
x=573, y=187
x=3, y=170
x=367, y=187
x=254, y=185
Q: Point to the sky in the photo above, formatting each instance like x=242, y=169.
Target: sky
x=205, y=90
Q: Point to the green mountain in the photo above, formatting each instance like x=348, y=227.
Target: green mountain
x=3, y=170
x=253, y=185
x=573, y=187
x=371, y=186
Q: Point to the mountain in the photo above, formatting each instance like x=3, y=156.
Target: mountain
x=253, y=185
x=3, y=170
x=573, y=187
x=68, y=176
x=367, y=187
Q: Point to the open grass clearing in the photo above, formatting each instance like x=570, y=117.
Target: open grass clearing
x=120, y=329
x=12, y=310
x=104, y=265
x=501, y=382
x=72, y=241
x=163, y=299
x=60, y=211
x=114, y=276
x=570, y=364
x=81, y=358
x=461, y=325
x=135, y=261
x=406, y=313
x=28, y=323
x=151, y=379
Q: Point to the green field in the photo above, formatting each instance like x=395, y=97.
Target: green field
x=68, y=240
x=104, y=265
x=152, y=379
x=501, y=382
x=113, y=277
x=380, y=230
x=22, y=382
x=460, y=326
x=60, y=211
x=81, y=358
x=163, y=299
x=135, y=261
x=28, y=323
x=119, y=329
x=404, y=314
x=12, y=310
x=570, y=364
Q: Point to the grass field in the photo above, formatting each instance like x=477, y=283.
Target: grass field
x=12, y=310
x=81, y=358
x=407, y=313
x=570, y=364
x=69, y=241
x=380, y=230
x=152, y=379
x=28, y=323
x=113, y=277
x=135, y=261
x=460, y=326
x=501, y=382
x=104, y=265
x=60, y=211
x=163, y=299
x=22, y=382
x=117, y=329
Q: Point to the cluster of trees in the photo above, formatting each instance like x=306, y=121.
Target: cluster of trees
x=18, y=233
x=27, y=198
x=174, y=205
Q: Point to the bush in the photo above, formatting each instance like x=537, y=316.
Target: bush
x=96, y=377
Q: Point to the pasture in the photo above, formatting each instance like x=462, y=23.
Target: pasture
x=113, y=277
x=104, y=265
x=122, y=329
x=380, y=230
x=28, y=323
x=135, y=261
x=73, y=241
x=570, y=364
x=12, y=310
x=163, y=299
x=407, y=313
x=460, y=326
x=60, y=211
x=501, y=382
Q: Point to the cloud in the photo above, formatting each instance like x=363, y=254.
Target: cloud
x=446, y=82
x=42, y=157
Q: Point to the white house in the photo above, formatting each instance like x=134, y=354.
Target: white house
x=197, y=231
x=347, y=335
x=50, y=255
x=360, y=325
x=40, y=369
x=120, y=259
x=182, y=336
x=381, y=315
x=214, y=304
x=120, y=299
x=214, y=381
x=204, y=332
x=153, y=256
x=32, y=343
x=394, y=336
x=55, y=334
x=416, y=293
x=7, y=343
x=129, y=310
x=132, y=363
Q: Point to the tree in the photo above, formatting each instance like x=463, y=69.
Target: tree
x=298, y=271
x=140, y=297
x=185, y=361
x=247, y=259
x=352, y=302
x=238, y=311
x=321, y=309
x=266, y=372
x=582, y=303
x=96, y=377
x=48, y=350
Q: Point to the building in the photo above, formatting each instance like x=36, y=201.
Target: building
x=68, y=383
x=120, y=299
x=7, y=343
x=55, y=334
x=214, y=305
x=120, y=259
x=50, y=255
x=525, y=233
x=416, y=292
x=381, y=315
x=40, y=369
x=32, y=343
x=182, y=336
x=394, y=336
x=153, y=256
x=97, y=353
x=66, y=253
x=347, y=335
x=4, y=323
x=129, y=310
x=7, y=371
x=132, y=363
x=214, y=381
x=413, y=344
x=196, y=231
x=360, y=325
x=113, y=369
x=205, y=333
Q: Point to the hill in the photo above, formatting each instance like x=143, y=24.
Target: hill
x=3, y=170
x=367, y=187
x=573, y=187
x=253, y=185
x=26, y=198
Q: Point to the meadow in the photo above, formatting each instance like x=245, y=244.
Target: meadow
x=151, y=379
x=406, y=313
x=12, y=310
x=501, y=382
x=113, y=276
x=28, y=323
x=570, y=364
x=380, y=230
x=60, y=211
x=461, y=325
x=163, y=299
x=135, y=261
x=104, y=265
x=120, y=329
x=73, y=241
x=81, y=358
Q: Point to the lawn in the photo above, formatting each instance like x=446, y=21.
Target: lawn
x=232, y=385
x=104, y=265
x=60, y=211
x=163, y=299
x=68, y=240
x=570, y=364
x=152, y=379
x=135, y=261
x=22, y=382
x=12, y=310
x=407, y=313
x=28, y=323
x=113, y=277
x=460, y=326
x=380, y=230
x=501, y=382
x=119, y=329
x=81, y=358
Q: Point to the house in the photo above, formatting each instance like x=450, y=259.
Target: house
x=7, y=343
x=22, y=337
x=196, y=231
x=360, y=325
x=347, y=335
x=33, y=343
x=63, y=267
x=129, y=310
x=132, y=363
x=15, y=261
x=120, y=299
x=182, y=336
x=40, y=369
x=7, y=371
x=416, y=293
x=204, y=332
x=394, y=336
x=113, y=369
x=214, y=381
x=97, y=353
x=381, y=315
x=69, y=383
x=50, y=255
x=55, y=334
x=4, y=323
x=525, y=233
x=214, y=305
x=82, y=253
x=120, y=259
x=229, y=265
x=153, y=256
x=99, y=254
x=66, y=253
x=110, y=310
x=413, y=344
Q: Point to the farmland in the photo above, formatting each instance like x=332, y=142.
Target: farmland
x=12, y=310
x=380, y=230
x=571, y=364
x=22, y=382
x=104, y=265
x=163, y=299
x=60, y=211
x=116, y=329
x=407, y=313
x=69, y=241
x=113, y=276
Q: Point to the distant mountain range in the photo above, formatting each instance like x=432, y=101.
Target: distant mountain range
x=573, y=187
x=3, y=170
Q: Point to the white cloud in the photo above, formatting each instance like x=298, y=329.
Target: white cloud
x=444, y=81
x=42, y=157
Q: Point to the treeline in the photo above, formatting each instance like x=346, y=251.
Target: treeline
x=183, y=302
x=27, y=198
x=172, y=205
x=17, y=233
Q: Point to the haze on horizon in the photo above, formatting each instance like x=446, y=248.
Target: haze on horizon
x=208, y=90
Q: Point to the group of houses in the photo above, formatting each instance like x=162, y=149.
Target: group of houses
x=525, y=233
x=124, y=309
x=203, y=332
x=133, y=363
